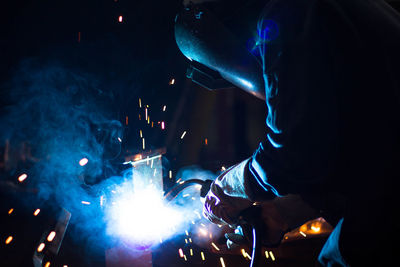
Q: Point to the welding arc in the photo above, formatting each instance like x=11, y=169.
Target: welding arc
x=174, y=191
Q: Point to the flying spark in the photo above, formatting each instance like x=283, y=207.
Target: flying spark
x=222, y=261
x=215, y=246
x=41, y=247
x=272, y=256
x=36, y=212
x=183, y=134
x=51, y=236
x=83, y=161
x=180, y=253
x=9, y=239
x=22, y=177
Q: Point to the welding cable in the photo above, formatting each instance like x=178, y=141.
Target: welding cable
x=256, y=252
x=174, y=191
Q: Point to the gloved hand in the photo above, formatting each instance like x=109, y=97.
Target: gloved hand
x=231, y=194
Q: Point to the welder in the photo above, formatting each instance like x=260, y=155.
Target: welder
x=329, y=72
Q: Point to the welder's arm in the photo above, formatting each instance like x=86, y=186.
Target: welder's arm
x=238, y=189
x=202, y=38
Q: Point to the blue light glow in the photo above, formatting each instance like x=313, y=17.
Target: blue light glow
x=138, y=214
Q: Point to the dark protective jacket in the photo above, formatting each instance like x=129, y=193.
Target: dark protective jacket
x=332, y=74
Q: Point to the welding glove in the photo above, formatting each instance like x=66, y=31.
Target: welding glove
x=231, y=194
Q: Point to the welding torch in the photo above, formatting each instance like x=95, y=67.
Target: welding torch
x=249, y=220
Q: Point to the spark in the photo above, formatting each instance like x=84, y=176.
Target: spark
x=203, y=232
x=101, y=200
x=143, y=144
x=266, y=254
x=190, y=240
x=141, y=133
x=191, y=252
x=140, y=102
x=47, y=264
x=170, y=174
x=172, y=81
x=163, y=125
x=127, y=119
x=183, y=134
x=180, y=253
x=164, y=108
x=9, y=239
x=206, y=141
x=302, y=233
x=181, y=182
x=83, y=161
x=41, y=247
x=36, y=212
x=222, y=261
x=119, y=139
x=223, y=168
x=186, y=195
x=85, y=202
x=186, y=232
x=146, y=113
x=10, y=211
x=215, y=246
x=315, y=228
x=186, y=241
x=22, y=177
x=272, y=255
x=120, y=19
x=245, y=254
x=202, y=256
x=184, y=257
x=51, y=236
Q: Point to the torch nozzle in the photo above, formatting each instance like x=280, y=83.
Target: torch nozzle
x=174, y=191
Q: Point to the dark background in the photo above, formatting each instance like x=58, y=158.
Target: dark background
x=132, y=59
x=128, y=60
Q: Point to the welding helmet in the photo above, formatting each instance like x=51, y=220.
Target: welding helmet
x=218, y=59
